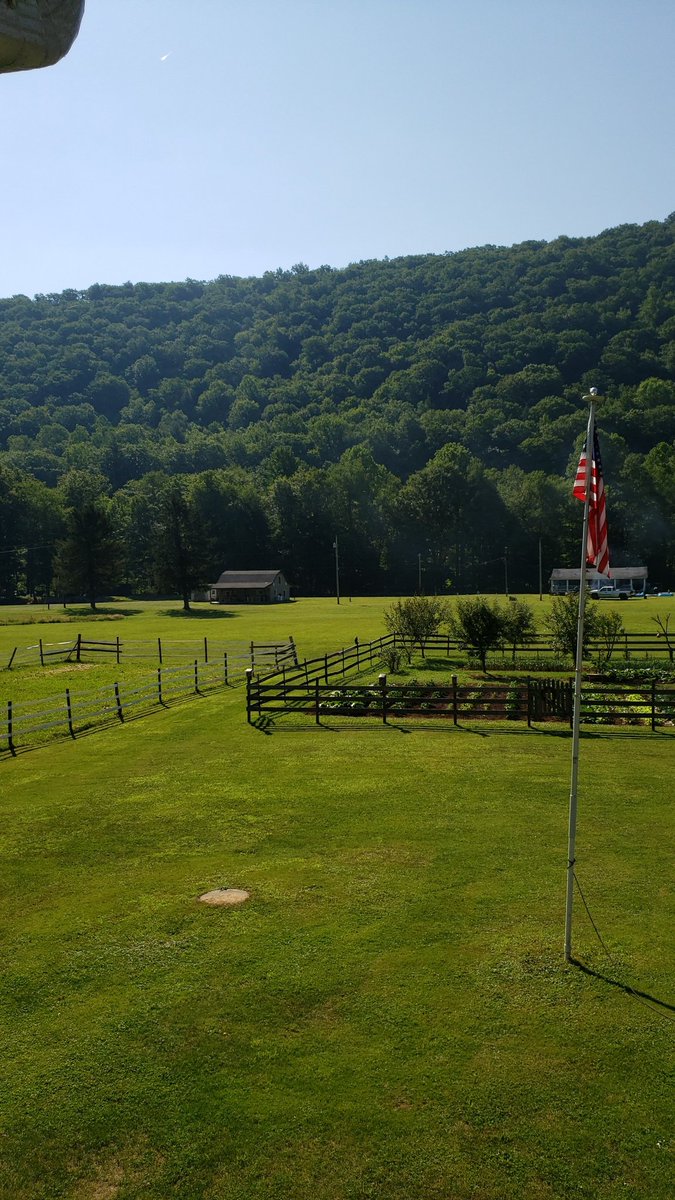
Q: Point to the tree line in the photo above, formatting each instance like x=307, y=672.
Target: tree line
x=426, y=409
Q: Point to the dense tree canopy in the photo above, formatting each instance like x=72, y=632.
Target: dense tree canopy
x=423, y=407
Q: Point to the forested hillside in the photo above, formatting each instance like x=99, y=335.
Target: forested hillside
x=424, y=406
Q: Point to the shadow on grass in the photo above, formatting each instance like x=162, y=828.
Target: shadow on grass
x=501, y=729
x=58, y=615
x=622, y=987
x=198, y=614
x=267, y=725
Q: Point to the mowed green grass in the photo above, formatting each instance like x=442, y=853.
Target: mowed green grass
x=389, y=1015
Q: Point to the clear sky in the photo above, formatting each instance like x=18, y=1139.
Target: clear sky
x=194, y=138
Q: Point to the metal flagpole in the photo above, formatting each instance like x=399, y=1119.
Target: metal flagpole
x=576, y=712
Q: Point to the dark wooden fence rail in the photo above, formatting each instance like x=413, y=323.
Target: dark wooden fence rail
x=525, y=700
x=326, y=668
x=628, y=645
x=362, y=655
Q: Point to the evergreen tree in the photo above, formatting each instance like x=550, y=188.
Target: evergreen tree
x=181, y=552
x=88, y=559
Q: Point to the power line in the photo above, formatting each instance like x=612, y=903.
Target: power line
x=23, y=549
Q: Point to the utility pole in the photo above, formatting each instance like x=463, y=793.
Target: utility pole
x=337, y=570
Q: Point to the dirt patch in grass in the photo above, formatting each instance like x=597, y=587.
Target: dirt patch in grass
x=70, y=667
x=224, y=897
x=119, y=1168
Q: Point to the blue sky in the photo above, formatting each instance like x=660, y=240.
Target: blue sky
x=236, y=136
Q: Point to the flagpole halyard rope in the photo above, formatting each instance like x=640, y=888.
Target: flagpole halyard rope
x=652, y=1004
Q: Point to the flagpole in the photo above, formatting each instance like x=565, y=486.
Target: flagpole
x=576, y=711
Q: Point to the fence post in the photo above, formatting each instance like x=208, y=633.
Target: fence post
x=225, y=666
x=325, y=667
x=159, y=650
x=42, y=657
x=316, y=701
x=358, y=660
x=249, y=677
x=252, y=655
x=78, y=653
x=294, y=649
x=283, y=681
x=653, y=705
x=196, y=678
x=454, y=699
x=159, y=686
x=343, y=662
x=206, y=650
x=10, y=726
x=529, y=704
x=12, y=658
x=382, y=680
x=306, y=674
x=69, y=711
x=118, y=702
x=117, y=649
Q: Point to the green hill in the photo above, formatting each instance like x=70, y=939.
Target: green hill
x=423, y=406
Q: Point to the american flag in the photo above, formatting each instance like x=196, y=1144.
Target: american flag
x=597, y=551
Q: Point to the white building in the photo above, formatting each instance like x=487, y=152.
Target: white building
x=566, y=579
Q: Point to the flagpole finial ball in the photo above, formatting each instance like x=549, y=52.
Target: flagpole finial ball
x=593, y=391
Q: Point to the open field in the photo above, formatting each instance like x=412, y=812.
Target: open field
x=317, y=624
x=389, y=1015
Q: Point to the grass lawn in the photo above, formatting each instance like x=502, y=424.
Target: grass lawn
x=389, y=1015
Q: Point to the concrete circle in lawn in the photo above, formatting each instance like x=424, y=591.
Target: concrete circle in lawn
x=224, y=897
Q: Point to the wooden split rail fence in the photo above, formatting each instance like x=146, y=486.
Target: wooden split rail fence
x=73, y=712
x=627, y=646
x=79, y=649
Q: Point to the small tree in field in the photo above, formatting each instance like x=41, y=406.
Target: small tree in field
x=561, y=623
x=479, y=623
x=608, y=629
x=662, y=624
x=518, y=624
x=414, y=620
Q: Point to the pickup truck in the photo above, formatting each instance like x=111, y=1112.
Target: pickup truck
x=611, y=593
